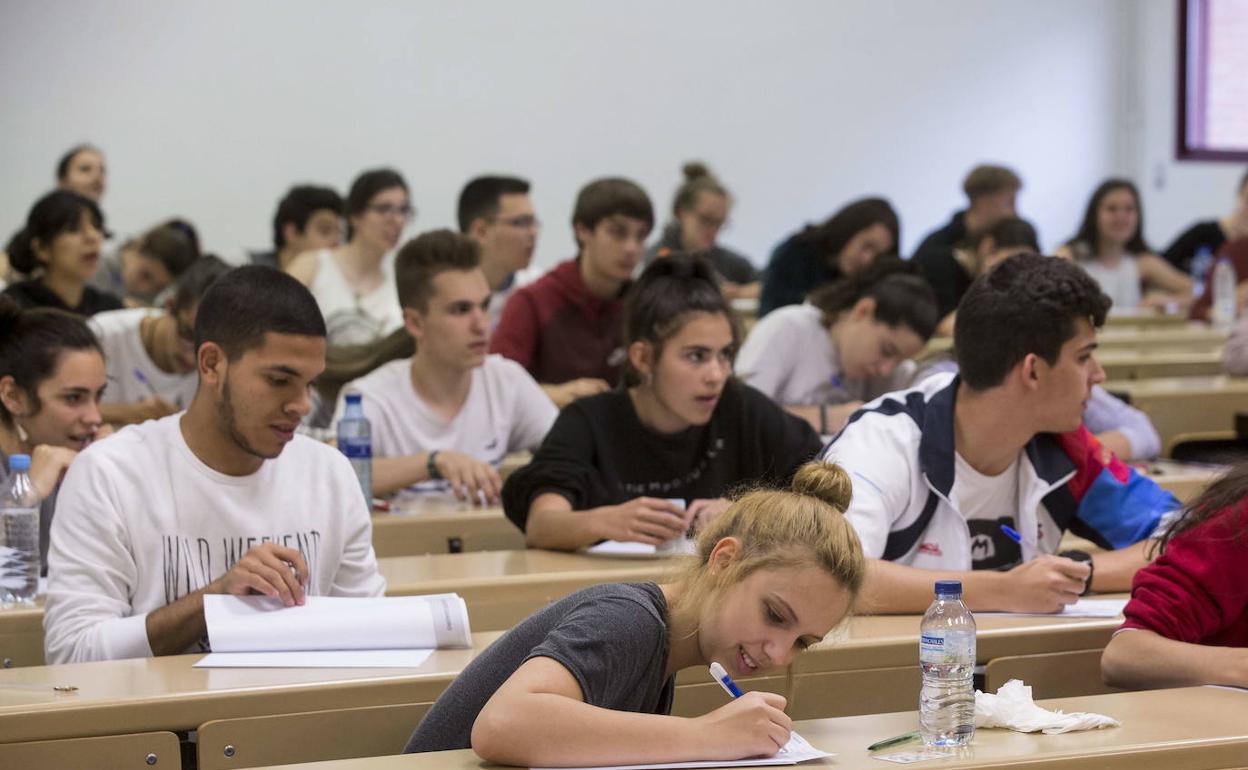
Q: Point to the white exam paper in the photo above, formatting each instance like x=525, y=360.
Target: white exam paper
x=316, y=659
x=795, y=751
x=681, y=545
x=1084, y=608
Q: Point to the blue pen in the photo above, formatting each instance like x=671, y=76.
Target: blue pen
x=1017, y=537
x=720, y=675
x=142, y=378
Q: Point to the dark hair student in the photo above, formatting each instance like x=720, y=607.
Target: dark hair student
x=56, y=213
x=480, y=198
x=844, y=244
x=51, y=378
x=851, y=342
x=250, y=301
x=1027, y=304
x=588, y=680
x=1086, y=242
x=681, y=428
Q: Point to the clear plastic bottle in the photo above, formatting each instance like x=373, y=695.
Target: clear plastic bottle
x=947, y=659
x=1223, y=311
x=19, y=535
x=355, y=440
x=1200, y=269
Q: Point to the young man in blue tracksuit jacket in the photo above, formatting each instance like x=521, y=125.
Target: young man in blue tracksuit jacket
x=944, y=472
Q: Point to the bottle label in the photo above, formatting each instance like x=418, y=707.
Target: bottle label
x=356, y=449
x=942, y=648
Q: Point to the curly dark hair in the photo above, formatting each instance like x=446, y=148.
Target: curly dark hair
x=1026, y=304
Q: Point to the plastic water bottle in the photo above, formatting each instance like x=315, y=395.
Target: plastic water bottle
x=1200, y=269
x=355, y=439
x=19, y=537
x=1223, y=314
x=947, y=658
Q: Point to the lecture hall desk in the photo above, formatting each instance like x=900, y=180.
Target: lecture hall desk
x=1194, y=728
x=1187, y=405
x=871, y=666
x=480, y=577
x=1142, y=364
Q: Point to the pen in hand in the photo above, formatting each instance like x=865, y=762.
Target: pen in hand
x=721, y=676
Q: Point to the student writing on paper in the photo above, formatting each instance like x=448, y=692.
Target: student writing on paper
x=151, y=353
x=682, y=428
x=939, y=469
x=1187, y=621
x=450, y=411
x=222, y=498
x=51, y=379
x=850, y=342
x=589, y=679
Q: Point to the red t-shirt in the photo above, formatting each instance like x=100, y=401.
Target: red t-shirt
x=1197, y=591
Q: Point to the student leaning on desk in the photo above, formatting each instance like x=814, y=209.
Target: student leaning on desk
x=941, y=470
x=223, y=498
x=589, y=679
x=1187, y=621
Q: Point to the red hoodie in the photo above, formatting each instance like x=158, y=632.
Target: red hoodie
x=559, y=331
x=1197, y=591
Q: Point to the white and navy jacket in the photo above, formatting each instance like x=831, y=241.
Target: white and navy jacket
x=899, y=452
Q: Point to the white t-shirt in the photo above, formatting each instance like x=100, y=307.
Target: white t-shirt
x=987, y=502
x=499, y=299
x=1120, y=281
x=141, y=522
x=125, y=359
x=350, y=318
x=789, y=355
x=506, y=411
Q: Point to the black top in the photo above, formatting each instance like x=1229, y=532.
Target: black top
x=612, y=638
x=797, y=267
x=946, y=275
x=730, y=265
x=952, y=234
x=1183, y=250
x=598, y=453
x=32, y=293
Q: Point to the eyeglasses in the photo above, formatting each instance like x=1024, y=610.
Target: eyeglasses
x=522, y=222
x=405, y=211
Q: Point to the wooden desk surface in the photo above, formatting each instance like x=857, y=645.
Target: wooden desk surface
x=1183, y=480
x=1187, y=405
x=1135, y=364
x=418, y=526
x=141, y=694
x=1145, y=319
x=1195, y=728
x=504, y=570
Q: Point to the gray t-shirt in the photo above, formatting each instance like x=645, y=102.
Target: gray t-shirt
x=613, y=638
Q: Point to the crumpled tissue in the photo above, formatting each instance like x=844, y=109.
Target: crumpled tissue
x=1012, y=707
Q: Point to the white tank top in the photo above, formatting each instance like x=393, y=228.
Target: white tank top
x=1121, y=281
x=353, y=319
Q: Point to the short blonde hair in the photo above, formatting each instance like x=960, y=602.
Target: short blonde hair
x=804, y=526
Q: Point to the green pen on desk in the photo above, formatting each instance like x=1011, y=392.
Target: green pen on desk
x=890, y=742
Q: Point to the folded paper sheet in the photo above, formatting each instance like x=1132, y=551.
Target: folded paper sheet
x=1084, y=608
x=257, y=624
x=1012, y=707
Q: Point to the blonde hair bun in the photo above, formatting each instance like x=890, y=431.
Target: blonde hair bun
x=695, y=169
x=824, y=481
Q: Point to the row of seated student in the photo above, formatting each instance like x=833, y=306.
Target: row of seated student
x=353, y=284
x=914, y=488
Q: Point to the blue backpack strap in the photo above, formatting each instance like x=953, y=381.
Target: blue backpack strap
x=901, y=541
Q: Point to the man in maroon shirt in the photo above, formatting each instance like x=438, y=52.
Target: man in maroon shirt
x=565, y=328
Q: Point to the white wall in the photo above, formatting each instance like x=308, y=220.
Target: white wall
x=211, y=109
x=1175, y=193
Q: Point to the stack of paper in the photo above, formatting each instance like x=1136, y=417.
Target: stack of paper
x=332, y=632
x=795, y=751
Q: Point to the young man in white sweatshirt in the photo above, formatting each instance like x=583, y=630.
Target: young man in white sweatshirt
x=224, y=498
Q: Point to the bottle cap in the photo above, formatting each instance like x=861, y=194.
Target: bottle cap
x=948, y=587
x=353, y=398
x=19, y=463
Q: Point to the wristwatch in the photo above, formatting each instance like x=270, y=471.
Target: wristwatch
x=1082, y=556
x=431, y=466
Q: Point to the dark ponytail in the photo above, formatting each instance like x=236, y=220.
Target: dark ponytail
x=31, y=344
x=902, y=297
x=60, y=211
x=658, y=303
